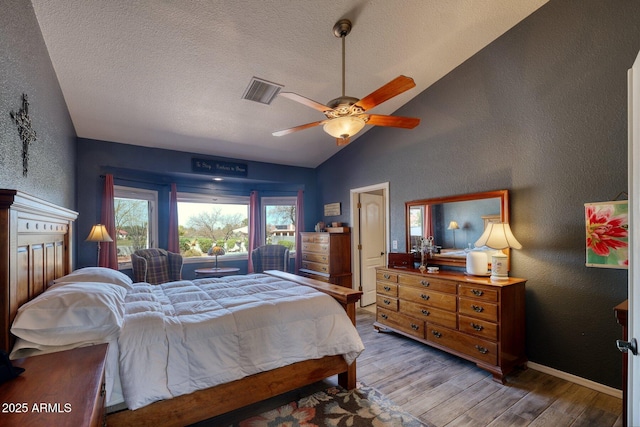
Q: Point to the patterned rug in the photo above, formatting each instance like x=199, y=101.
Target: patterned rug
x=361, y=407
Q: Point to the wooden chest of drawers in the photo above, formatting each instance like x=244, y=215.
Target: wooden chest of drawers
x=65, y=388
x=327, y=257
x=472, y=317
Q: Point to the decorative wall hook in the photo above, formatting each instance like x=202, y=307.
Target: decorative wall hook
x=27, y=133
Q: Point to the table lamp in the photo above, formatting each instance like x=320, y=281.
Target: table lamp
x=498, y=236
x=453, y=225
x=98, y=234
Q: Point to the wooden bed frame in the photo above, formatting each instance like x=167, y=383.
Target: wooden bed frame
x=36, y=247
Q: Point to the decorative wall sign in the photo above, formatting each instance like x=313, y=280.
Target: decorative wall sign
x=332, y=209
x=27, y=134
x=607, y=230
x=216, y=167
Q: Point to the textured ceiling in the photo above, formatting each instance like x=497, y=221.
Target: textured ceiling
x=171, y=74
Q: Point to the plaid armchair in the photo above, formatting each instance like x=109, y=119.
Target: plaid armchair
x=156, y=266
x=270, y=257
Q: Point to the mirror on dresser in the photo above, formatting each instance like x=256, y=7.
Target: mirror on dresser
x=439, y=217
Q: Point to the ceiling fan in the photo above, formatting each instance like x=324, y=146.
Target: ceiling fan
x=347, y=115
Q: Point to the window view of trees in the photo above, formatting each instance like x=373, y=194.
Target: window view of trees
x=280, y=220
x=204, y=225
x=132, y=226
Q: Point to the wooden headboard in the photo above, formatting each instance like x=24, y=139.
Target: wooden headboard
x=35, y=247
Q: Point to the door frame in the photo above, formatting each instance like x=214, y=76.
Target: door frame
x=354, y=194
x=633, y=319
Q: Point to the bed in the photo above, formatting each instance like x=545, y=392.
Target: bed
x=28, y=276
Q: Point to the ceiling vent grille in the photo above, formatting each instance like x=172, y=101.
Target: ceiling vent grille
x=261, y=91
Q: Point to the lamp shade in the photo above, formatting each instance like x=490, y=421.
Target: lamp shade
x=453, y=225
x=498, y=236
x=345, y=126
x=99, y=233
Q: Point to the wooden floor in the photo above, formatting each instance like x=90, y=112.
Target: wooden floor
x=444, y=390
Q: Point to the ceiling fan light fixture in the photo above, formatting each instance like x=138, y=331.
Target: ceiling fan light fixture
x=344, y=127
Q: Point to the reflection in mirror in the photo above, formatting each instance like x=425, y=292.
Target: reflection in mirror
x=434, y=217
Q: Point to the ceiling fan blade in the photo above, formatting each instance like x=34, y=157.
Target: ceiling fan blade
x=305, y=101
x=393, y=121
x=394, y=87
x=298, y=128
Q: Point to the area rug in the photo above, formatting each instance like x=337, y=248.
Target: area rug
x=361, y=407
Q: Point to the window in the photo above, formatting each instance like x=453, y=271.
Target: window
x=205, y=221
x=136, y=220
x=279, y=221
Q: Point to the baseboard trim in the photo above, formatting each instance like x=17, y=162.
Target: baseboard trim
x=576, y=379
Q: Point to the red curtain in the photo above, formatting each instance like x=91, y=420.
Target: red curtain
x=108, y=253
x=428, y=222
x=254, y=226
x=173, y=244
x=299, y=229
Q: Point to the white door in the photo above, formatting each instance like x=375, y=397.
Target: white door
x=633, y=387
x=372, y=243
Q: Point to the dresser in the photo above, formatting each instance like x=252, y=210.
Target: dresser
x=60, y=389
x=471, y=317
x=327, y=257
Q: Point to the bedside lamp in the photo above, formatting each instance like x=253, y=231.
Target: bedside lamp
x=498, y=236
x=98, y=234
x=453, y=225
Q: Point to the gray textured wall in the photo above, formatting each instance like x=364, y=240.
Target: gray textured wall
x=25, y=67
x=541, y=112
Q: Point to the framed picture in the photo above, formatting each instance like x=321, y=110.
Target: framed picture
x=607, y=234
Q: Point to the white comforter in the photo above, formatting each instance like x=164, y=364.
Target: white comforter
x=183, y=336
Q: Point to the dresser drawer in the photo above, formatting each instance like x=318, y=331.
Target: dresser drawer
x=426, y=282
x=315, y=238
x=430, y=298
x=429, y=314
x=403, y=323
x=315, y=266
x=478, y=327
x=315, y=247
x=477, y=348
x=388, y=289
x=314, y=257
x=387, y=302
x=479, y=309
x=387, y=276
x=483, y=293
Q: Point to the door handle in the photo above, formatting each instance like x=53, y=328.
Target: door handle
x=628, y=346
x=381, y=253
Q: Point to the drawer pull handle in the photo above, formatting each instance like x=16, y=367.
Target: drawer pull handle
x=426, y=312
x=424, y=297
x=386, y=301
x=384, y=316
x=477, y=327
x=387, y=288
x=425, y=283
x=387, y=276
x=477, y=292
x=477, y=308
x=415, y=327
x=324, y=258
x=481, y=349
x=436, y=334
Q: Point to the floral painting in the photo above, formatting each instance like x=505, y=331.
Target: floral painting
x=607, y=230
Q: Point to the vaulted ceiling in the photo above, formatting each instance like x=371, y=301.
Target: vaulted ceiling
x=171, y=73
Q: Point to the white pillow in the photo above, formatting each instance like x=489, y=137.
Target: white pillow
x=97, y=274
x=73, y=313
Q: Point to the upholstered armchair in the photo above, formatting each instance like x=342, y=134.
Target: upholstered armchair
x=270, y=257
x=156, y=266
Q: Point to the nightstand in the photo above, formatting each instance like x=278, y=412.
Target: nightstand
x=63, y=389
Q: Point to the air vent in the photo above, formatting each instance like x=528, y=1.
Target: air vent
x=261, y=91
